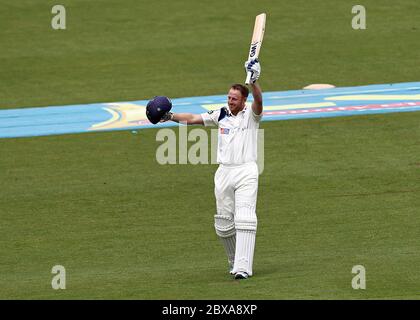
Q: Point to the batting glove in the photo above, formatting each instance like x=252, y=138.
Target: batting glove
x=254, y=67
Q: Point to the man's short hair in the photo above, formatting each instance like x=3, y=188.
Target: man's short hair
x=240, y=87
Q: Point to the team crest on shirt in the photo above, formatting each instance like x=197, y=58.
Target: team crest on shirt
x=224, y=130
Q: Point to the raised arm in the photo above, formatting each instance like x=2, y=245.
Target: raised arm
x=257, y=105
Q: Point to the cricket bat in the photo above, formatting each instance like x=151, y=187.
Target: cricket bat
x=257, y=38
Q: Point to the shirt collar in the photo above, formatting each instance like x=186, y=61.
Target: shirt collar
x=231, y=114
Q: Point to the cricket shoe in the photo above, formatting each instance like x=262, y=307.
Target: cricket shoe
x=241, y=275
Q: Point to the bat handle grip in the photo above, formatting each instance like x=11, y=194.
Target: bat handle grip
x=248, y=77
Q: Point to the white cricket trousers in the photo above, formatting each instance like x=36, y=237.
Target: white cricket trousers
x=236, y=188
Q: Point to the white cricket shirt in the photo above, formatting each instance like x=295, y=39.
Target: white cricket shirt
x=237, y=135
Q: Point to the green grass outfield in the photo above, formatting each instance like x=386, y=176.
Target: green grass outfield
x=334, y=193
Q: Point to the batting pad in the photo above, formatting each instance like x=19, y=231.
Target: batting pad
x=245, y=218
x=225, y=229
x=244, y=253
x=224, y=225
x=246, y=229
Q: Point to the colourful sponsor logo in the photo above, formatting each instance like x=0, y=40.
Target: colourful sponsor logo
x=224, y=131
x=400, y=105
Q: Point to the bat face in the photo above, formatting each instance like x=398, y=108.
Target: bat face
x=257, y=37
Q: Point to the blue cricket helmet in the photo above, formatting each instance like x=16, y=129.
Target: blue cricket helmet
x=157, y=107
